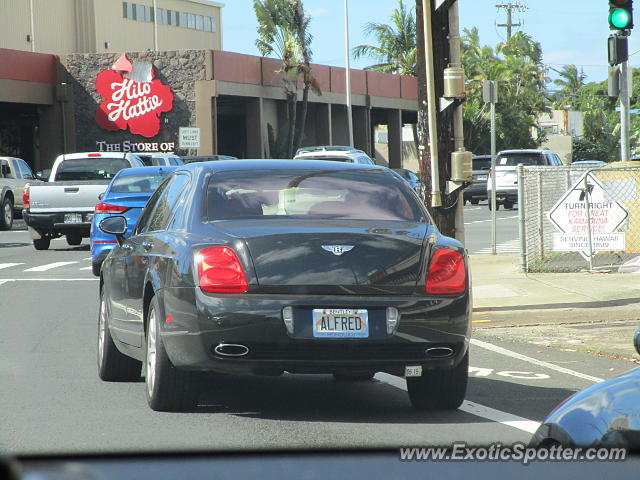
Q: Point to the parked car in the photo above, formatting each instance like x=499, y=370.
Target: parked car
x=335, y=154
x=126, y=195
x=411, y=178
x=477, y=191
x=64, y=205
x=206, y=158
x=269, y=266
x=15, y=174
x=588, y=163
x=606, y=414
x=506, y=174
x=160, y=159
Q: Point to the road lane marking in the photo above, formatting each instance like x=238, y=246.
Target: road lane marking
x=3, y=281
x=86, y=268
x=473, y=408
x=8, y=265
x=534, y=361
x=50, y=279
x=49, y=266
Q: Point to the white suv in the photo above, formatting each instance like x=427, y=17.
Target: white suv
x=506, y=173
x=334, y=153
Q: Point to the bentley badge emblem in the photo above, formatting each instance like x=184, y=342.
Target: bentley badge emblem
x=338, y=249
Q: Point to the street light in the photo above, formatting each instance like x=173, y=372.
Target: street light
x=348, y=72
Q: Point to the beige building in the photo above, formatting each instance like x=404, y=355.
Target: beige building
x=98, y=26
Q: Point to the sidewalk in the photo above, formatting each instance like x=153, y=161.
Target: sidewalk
x=594, y=312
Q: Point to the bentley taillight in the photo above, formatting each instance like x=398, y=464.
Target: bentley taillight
x=447, y=273
x=220, y=271
x=108, y=208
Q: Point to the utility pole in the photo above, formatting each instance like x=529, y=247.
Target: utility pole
x=347, y=73
x=510, y=7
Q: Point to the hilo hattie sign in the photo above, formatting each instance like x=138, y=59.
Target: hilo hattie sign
x=133, y=98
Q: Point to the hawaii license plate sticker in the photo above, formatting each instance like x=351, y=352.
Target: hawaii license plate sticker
x=340, y=323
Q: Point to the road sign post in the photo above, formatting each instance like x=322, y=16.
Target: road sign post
x=490, y=95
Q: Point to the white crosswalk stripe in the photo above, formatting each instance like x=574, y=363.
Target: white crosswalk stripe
x=49, y=266
x=9, y=265
x=512, y=246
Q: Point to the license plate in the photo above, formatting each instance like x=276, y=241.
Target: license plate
x=72, y=218
x=340, y=323
x=413, y=371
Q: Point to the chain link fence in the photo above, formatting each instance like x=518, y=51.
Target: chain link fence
x=577, y=218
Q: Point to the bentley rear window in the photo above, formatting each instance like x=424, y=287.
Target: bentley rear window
x=346, y=194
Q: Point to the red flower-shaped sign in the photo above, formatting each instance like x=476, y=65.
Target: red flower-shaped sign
x=129, y=104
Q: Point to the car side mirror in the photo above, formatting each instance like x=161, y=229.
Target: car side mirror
x=636, y=340
x=114, y=226
x=101, y=196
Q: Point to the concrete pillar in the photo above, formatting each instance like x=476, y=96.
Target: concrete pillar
x=323, y=124
x=256, y=128
x=362, y=129
x=339, y=132
x=206, y=116
x=394, y=124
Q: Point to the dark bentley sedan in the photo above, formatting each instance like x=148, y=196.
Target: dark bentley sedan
x=271, y=266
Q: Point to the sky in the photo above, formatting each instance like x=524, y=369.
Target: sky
x=570, y=31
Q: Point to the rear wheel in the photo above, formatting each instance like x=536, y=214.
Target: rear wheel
x=497, y=205
x=353, y=377
x=440, y=389
x=6, y=214
x=95, y=268
x=168, y=389
x=41, y=243
x=74, y=239
x=113, y=365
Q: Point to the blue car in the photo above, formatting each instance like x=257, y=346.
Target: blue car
x=126, y=195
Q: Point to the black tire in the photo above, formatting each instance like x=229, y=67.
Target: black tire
x=475, y=201
x=6, y=214
x=497, y=205
x=168, y=389
x=41, y=243
x=113, y=365
x=508, y=205
x=440, y=389
x=74, y=239
x=353, y=377
x=95, y=268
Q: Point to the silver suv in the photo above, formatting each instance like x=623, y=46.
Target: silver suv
x=334, y=153
x=507, y=162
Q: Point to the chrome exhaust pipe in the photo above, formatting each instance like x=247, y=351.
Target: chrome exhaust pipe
x=231, y=350
x=439, y=352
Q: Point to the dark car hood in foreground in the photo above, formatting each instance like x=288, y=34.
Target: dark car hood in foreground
x=288, y=253
x=606, y=414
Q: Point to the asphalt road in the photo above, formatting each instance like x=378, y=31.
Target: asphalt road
x=477, y=224
x=54, y=402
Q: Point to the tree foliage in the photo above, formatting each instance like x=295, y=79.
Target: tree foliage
x=395, y=50
x=516, y=67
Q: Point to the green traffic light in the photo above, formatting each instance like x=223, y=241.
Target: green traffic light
x=620, y=18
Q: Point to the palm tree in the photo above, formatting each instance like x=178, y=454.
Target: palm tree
x=570, y=82
x=283, y=29
x=395, y=51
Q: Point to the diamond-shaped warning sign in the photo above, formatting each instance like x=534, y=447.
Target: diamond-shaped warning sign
x=570, y=216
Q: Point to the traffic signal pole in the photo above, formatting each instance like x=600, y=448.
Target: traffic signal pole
x=625, y=150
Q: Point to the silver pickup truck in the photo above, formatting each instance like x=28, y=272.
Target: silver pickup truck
x=14, y=175
x=65, y=204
